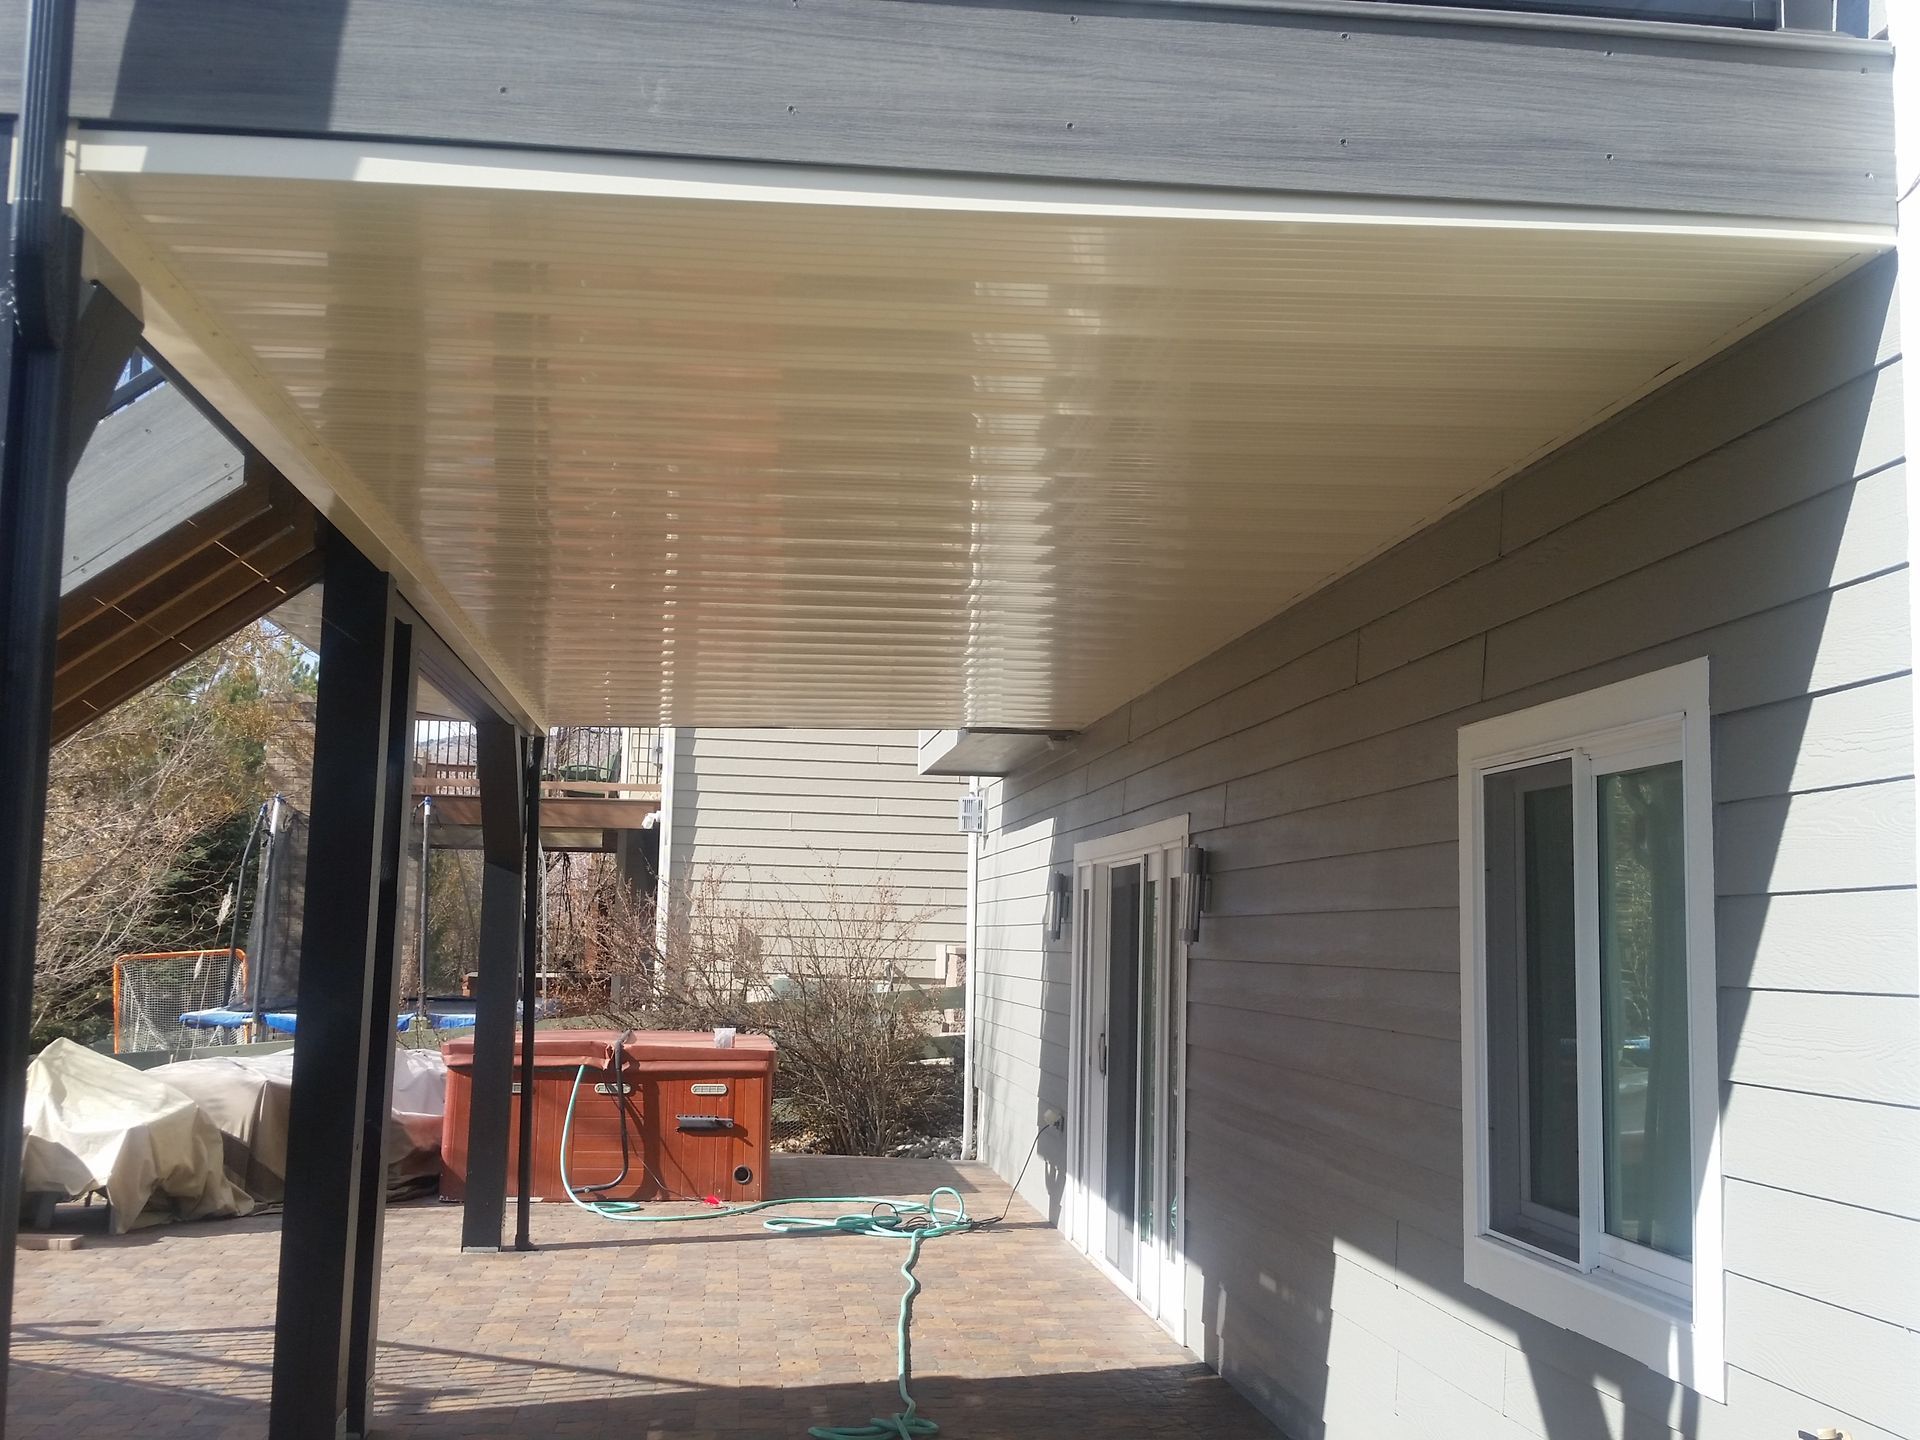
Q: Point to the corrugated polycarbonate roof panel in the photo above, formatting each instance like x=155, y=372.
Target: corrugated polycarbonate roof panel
x=728, y=461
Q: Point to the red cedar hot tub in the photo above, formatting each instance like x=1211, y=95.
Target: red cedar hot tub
x=699, y=1118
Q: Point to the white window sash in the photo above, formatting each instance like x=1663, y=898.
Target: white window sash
x=1655, y=1307
x=1600, y=1249
x=1586, y=986
x=1543, y=1215
x=1638, y=751
x=1644, y=1265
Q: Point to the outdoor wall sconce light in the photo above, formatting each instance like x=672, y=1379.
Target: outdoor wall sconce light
x=1193, y=900
x=1059, y=903
x=973, y=813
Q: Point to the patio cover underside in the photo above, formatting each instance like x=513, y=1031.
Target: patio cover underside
x=717, y=445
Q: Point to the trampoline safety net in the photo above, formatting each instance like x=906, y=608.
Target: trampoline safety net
x=191, y=999
x=280, y=902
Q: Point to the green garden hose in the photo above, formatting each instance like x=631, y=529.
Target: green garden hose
x=908, y=1220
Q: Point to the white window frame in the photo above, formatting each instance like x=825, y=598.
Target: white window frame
x=1666, y=1313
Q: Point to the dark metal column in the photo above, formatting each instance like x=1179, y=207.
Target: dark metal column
x=378, y=1106
x=326, y=1149
x=502, y=893
x=36, y=315
x=536, y=750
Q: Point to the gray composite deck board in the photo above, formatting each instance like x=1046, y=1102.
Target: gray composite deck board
x=148, y=467
x=1237, y=96
x=1753, y=513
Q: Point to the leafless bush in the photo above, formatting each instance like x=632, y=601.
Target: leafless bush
x=851, y=1023
x=827, y=975
x=707, y=968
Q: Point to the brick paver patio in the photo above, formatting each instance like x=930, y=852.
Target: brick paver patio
x=715, y=1332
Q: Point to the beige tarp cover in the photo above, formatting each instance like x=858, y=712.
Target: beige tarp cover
x=247, y=1097
x=93, y=1123
x=419, y=1105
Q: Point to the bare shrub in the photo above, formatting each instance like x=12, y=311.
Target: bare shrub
x=851, y=1022
x=706, y=969
x=828, y=975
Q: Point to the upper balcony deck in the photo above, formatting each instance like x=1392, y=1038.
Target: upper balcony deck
x=1696, y=107
x=903, y=363
x=593, y=778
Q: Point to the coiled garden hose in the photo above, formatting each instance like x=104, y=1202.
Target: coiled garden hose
x=908, y=1220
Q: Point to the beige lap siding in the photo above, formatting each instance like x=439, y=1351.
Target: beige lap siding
x=772, y=815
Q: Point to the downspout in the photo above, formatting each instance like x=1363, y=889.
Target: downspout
x=1903, y=29
x=663, y=879
x=969, y=1105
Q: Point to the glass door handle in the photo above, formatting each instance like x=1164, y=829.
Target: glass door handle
x=1103, y=1052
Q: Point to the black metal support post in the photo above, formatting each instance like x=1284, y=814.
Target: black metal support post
x=502, y=895
x=32, y=513
x=363, y=1325
x=41, y=421
x=347, y=918
x=536, y=750
x=421, y=926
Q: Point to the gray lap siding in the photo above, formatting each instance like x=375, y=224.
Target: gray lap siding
x=1753, y=513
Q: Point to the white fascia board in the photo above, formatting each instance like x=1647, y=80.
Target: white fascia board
x=112, y=152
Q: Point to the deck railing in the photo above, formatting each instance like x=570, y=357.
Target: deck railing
x=1842, y=17
x=613, y=761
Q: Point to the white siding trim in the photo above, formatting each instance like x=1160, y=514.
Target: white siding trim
x=1904, y=30
x=481, y=167
x=1173, y=831
x=663, y=867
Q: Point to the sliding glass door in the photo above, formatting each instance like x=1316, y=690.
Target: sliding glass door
x=1129, y=1003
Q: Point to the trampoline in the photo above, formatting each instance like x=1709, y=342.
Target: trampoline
x=284, y=1022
